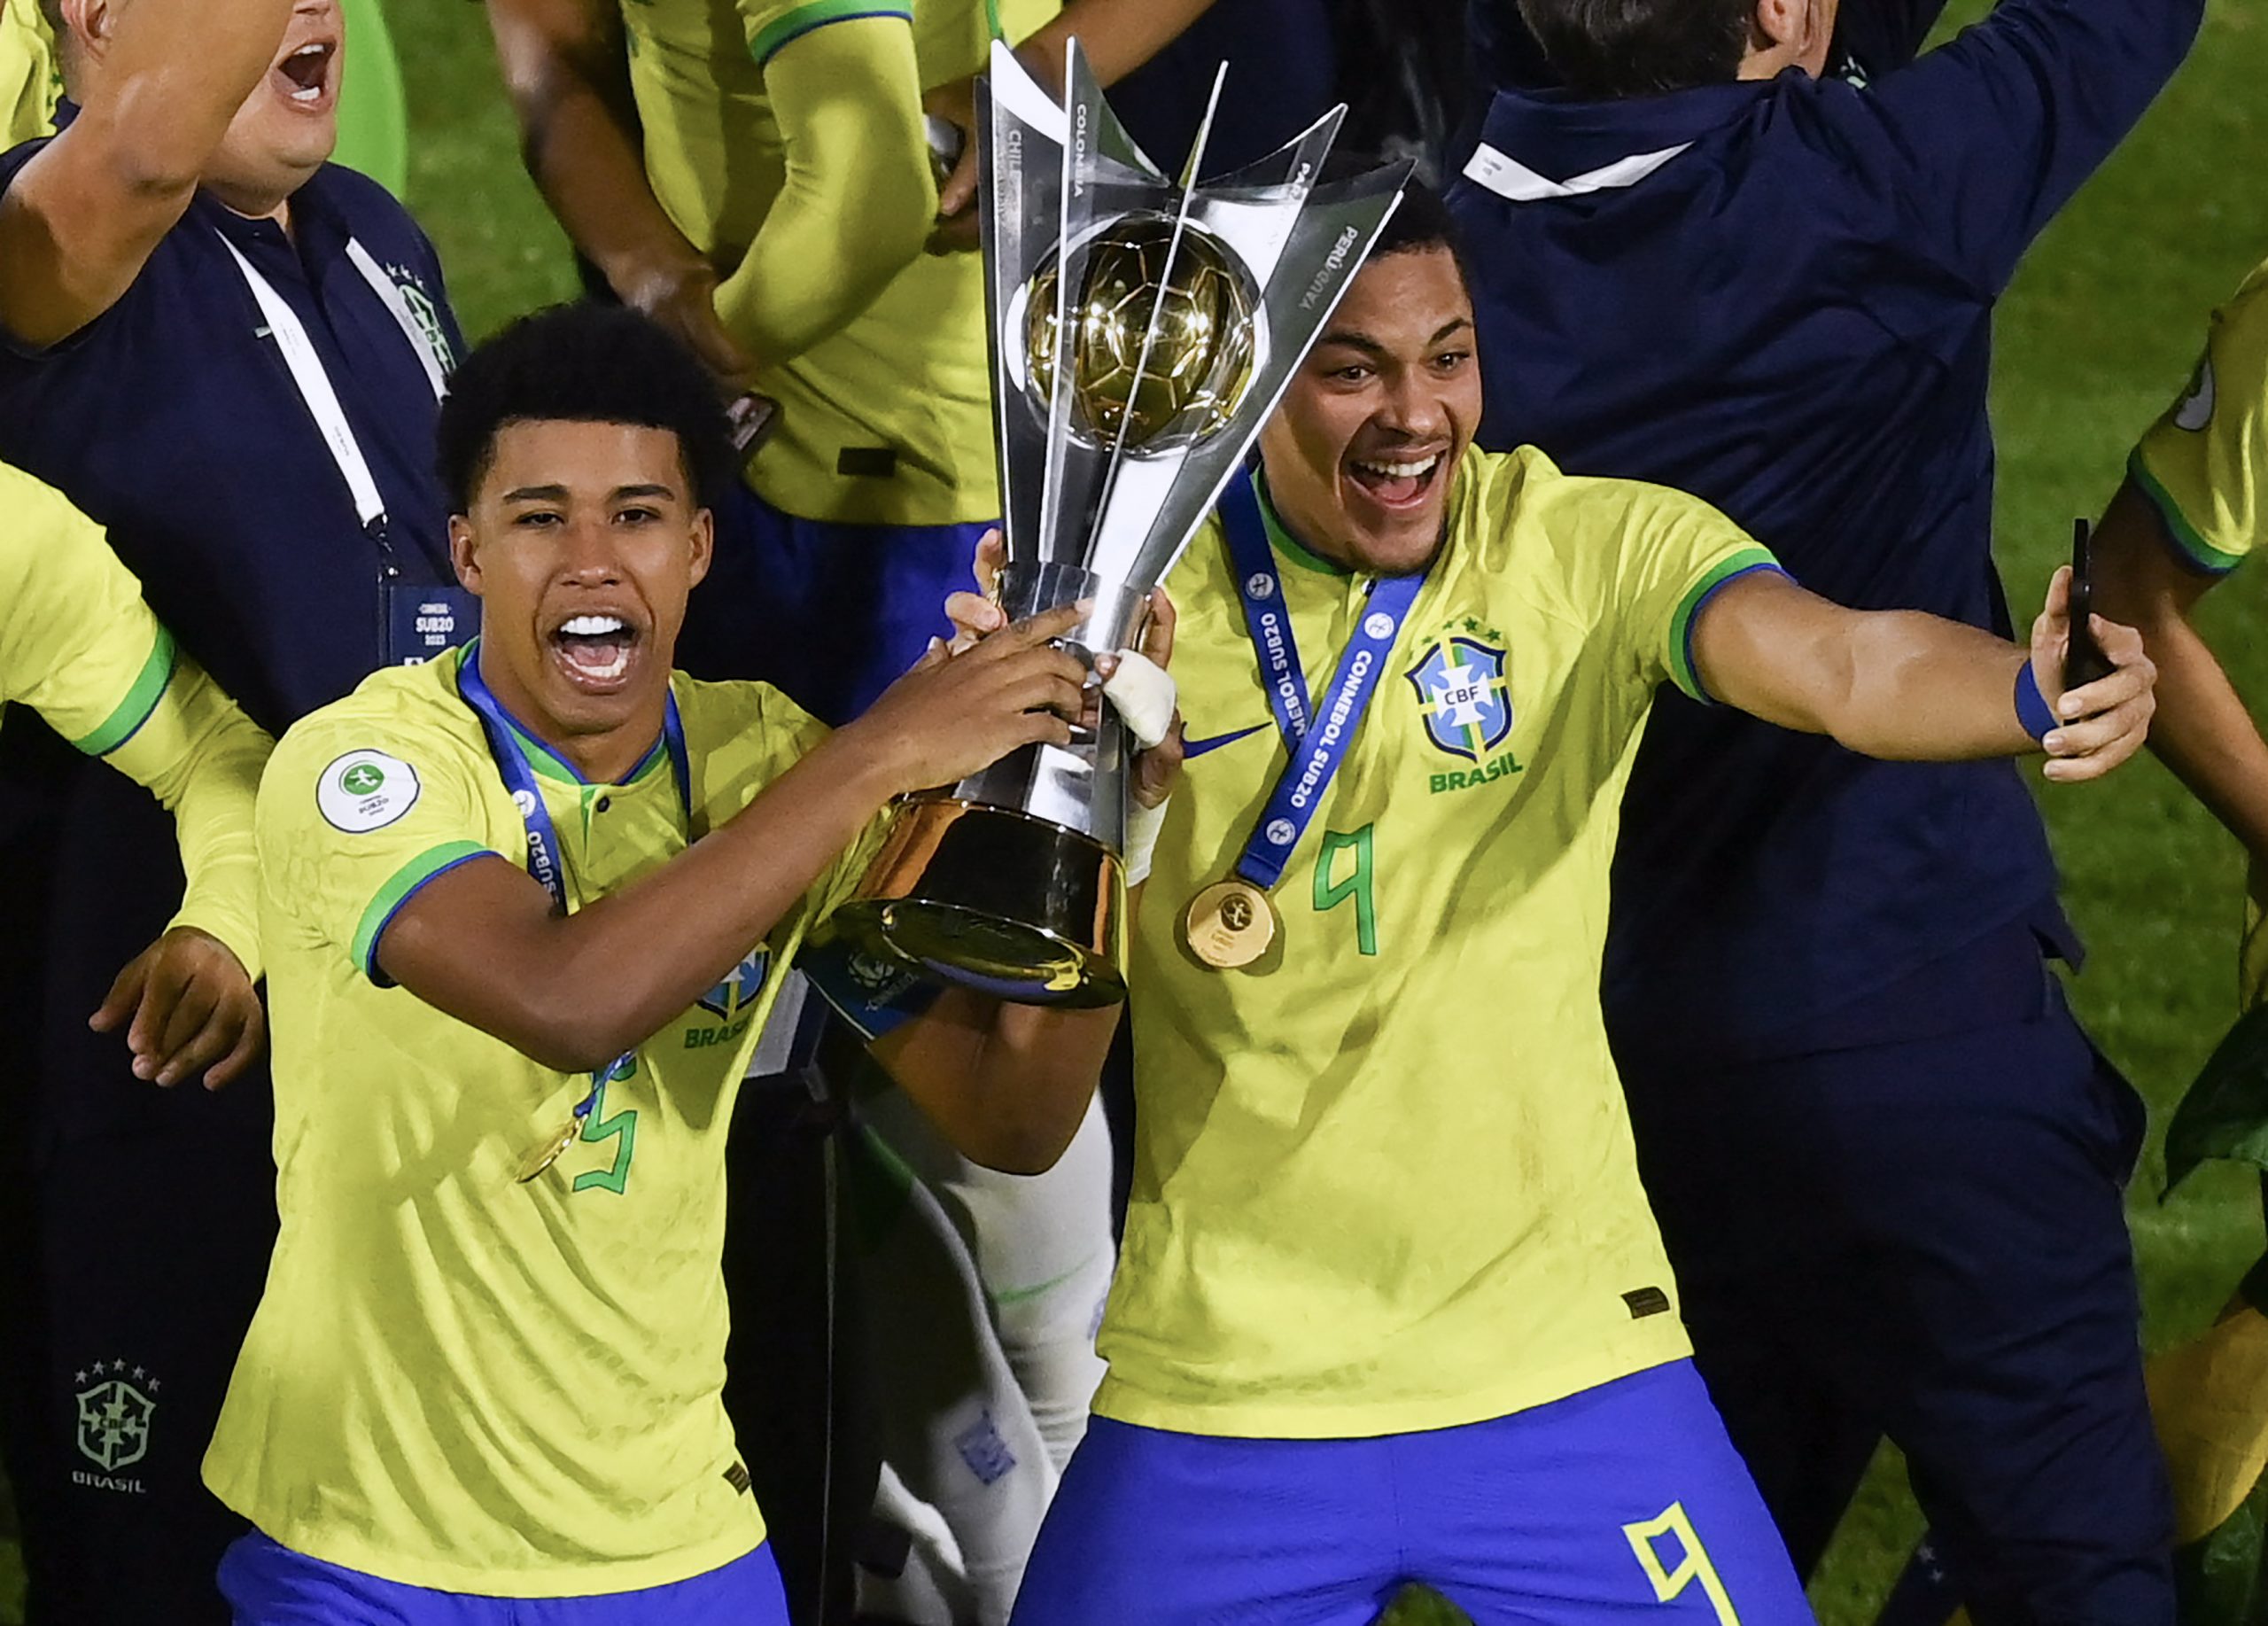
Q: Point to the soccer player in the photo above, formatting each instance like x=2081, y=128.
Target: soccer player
x=756, y=175
x=1391, y=1306
x=2193, y=508
x=227, y=353
x=1888, y=1164
x=524, y=908
x=78, y=646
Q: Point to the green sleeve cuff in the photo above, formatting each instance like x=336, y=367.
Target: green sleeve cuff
x=127, y=718
x=1681, y=669
x=398, y=891
x=794, y=24
x=2188, y=542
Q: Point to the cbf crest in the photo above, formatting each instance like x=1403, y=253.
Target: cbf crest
x=731, y=998
x=1464, y=694
x=731, y=1003
x=114, y=1421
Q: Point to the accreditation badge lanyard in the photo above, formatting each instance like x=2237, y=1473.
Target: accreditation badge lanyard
x=544, y=855
x=430, y=617
x=308, y=376
x=1230, y=923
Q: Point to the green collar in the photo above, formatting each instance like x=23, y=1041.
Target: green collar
x=547, y=762
x=1283, y=543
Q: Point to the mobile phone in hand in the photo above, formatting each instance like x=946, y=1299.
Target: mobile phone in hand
x=2084, y=661
x=749, y=419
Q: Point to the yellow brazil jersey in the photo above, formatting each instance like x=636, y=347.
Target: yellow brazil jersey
x=887, y=421
x=78, y=646
x=453, y=1380
x=2204, y=464
x=1384, y=1179
x=30, y=83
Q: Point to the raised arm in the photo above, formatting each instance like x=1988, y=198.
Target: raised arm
x=482, y=941
x=1904, y=686
x=566, y=71
x=162, y=81
x=1990, y=135
x=858, y=197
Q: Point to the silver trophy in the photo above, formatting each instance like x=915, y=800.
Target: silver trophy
x=1142, y=332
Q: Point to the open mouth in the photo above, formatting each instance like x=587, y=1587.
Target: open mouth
x=306, y=73
x=595, y=651
x=1397, y=483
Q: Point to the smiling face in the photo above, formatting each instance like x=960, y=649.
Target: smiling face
x=1361, y=454
x=582, y=541
x=288, y=126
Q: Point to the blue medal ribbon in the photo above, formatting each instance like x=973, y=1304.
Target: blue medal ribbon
x=1318, y=742
x=1260, y=585
x=544, y=856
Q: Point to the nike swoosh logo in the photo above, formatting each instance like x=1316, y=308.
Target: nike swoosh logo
x=1198, y=748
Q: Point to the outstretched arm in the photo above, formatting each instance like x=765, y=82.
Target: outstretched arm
x=80, y=220
x=1904, y=686
x=483, y=942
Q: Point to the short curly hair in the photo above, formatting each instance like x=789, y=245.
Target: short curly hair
x=584, y=364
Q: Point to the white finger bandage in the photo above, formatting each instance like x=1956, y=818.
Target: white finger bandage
x=1142, y=826
x=1143, y=695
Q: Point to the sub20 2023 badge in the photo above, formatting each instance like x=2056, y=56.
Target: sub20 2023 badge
x=366, y=790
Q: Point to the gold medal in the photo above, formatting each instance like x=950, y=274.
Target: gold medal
x=548, y=1151
x=1230, y=924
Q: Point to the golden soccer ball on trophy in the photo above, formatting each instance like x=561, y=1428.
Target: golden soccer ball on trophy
x=1202, y=362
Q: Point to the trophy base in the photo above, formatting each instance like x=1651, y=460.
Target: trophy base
x=998, y=901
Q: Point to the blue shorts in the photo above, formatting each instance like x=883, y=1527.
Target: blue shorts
x=1625, y=1503
x=268, y=1584
x=830, y=613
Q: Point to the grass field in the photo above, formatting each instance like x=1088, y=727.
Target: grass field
x=2102, y=325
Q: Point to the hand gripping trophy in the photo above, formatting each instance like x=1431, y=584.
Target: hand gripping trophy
x=1141, y=333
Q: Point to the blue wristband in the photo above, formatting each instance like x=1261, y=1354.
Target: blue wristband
x=2031, y=705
